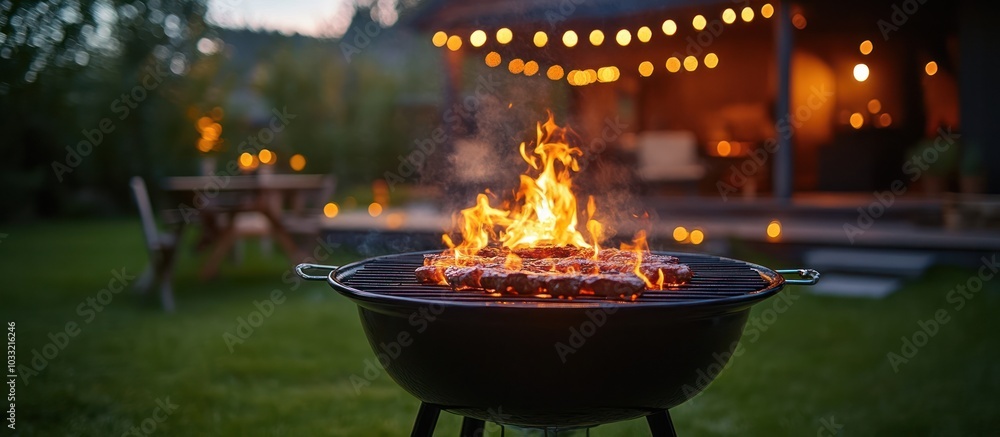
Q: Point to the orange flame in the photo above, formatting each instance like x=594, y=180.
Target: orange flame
x=639, y=246
x=545, y=210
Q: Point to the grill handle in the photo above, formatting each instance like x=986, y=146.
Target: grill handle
x=301, y=271
x=809, y=276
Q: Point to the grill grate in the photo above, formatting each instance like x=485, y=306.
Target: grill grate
x=714, y=278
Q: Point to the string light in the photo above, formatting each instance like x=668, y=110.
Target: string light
x=866, y=47
x=623, y=37
x=596, y=37
x=711, y=60
x=698, y=22
x=504, y=35
x=646, y=69
x=478, y=38
x=569, y=38
x=439, y=38
x=669, y=27
x=540, y=39
x=644, y=34
x=860, y=72
x=729, y=16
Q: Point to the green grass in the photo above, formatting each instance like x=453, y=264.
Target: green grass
x=823, y=358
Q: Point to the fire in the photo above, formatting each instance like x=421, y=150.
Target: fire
x=545, y=209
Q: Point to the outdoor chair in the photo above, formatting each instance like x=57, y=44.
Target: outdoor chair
x=161, y=246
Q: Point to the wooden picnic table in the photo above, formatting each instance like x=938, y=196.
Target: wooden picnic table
x=217, y=200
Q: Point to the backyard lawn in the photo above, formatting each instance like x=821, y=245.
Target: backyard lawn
x=819, y=368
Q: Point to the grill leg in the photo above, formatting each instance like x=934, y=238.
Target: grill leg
x=427, y=418
x=472, y=427
x=660, y=424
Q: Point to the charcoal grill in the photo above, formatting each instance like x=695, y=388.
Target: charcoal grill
x=553, y=363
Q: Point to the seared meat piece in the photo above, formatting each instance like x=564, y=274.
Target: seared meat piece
x=563, y=285
x=461, y=278
x=672, y=273
x=613, y=285
x=578, y=265
x=491, y=252
x=430, y=274
x=553, y=252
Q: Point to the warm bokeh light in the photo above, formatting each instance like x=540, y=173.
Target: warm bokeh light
x=374, y=209
x=493, y=59
x=570, y=39
x=596, y=37
x=555, y=72
x=395, y=220
x=504, y=35
x=669, y=27
x=729, y=16
x=874, y=106
x=697, y=236
x=439, y=39
x=680, y=233
x=698, y=22
x=645, y=69
x=516, y=66
x=454, y=43
x=644, y=34
x=607, y=74
x=266, y=156
x=747, y=14
x=673, y=64
x=246, y=160
x=774, y=229
x=857, y=120
x=690, y=63
x=885, y=119
x=860, y=72
x=931, y=68
x=711, y=60
x=724, y=148
x=767, y=10
x=478, y=38
x=540, y=39
x=205, y=144
x=799, y=21
x=623, y=37
x=297, y=162
x=530, y=68
x=591, y=75
x=866, y=47
x=331, y=210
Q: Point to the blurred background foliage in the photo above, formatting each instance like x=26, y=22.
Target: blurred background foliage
x=65, y=65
